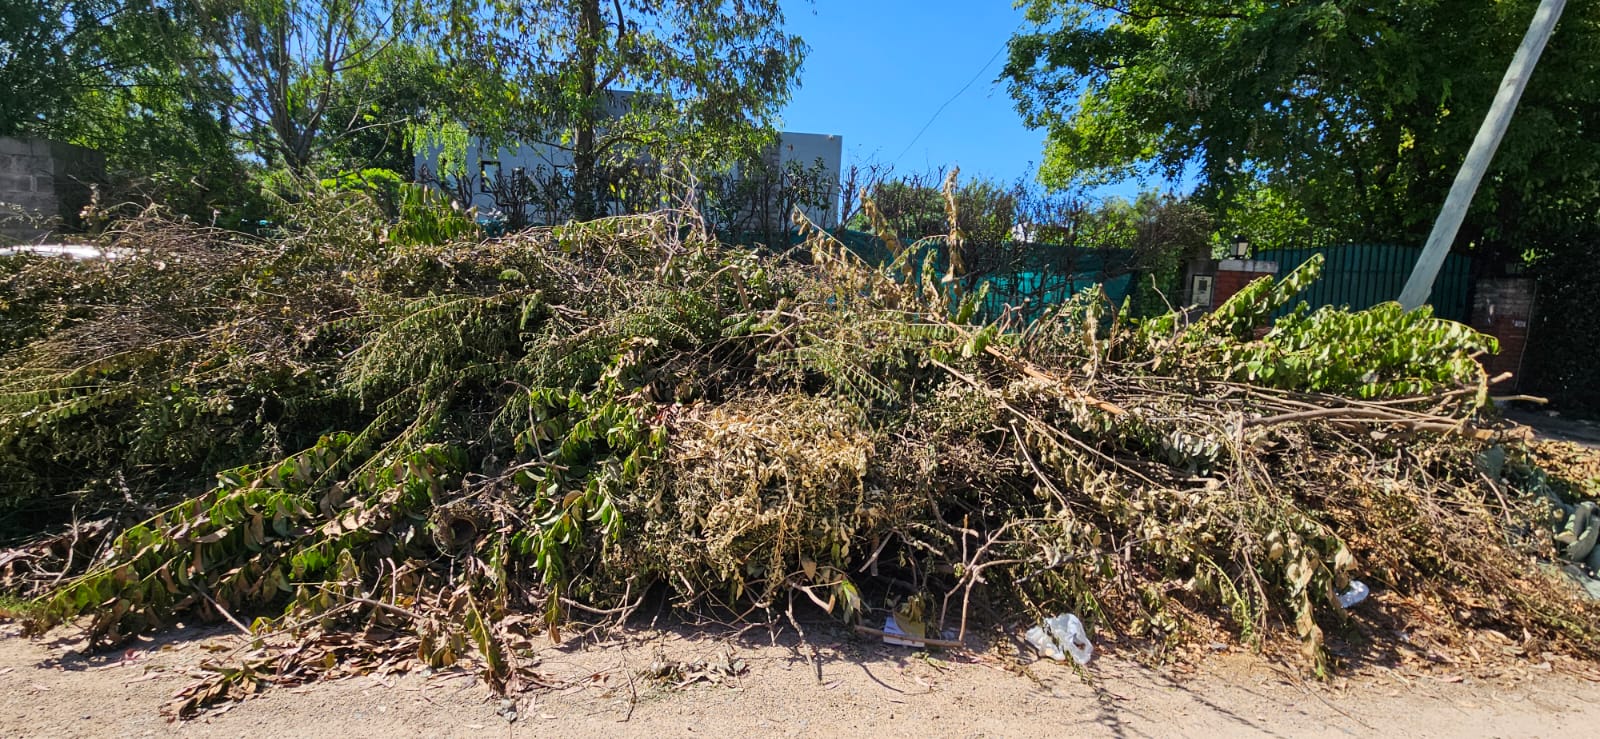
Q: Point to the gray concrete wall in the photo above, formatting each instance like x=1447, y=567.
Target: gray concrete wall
x=47, y=180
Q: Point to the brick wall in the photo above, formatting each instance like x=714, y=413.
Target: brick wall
x=1234, y=274
x=1502, y=307
x=47, y=180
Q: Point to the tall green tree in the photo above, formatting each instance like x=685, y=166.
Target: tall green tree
x=690, y=80
x=1355, y=115
x=299, y=70
x=377, y=104
x=52, y=52
x=166, y=139
x=192, y=101
x=127, y=78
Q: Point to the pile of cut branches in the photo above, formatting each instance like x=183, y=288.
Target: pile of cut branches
x=481, y=439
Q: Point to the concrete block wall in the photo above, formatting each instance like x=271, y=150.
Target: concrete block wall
x=1502, y=307
x=47, y=179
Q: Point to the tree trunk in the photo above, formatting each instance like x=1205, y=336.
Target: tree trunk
x=585, y=184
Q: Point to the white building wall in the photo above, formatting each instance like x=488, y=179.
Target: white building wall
x=484, y=161
x=806, y=149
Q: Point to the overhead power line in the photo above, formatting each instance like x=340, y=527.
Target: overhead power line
x=952, y=99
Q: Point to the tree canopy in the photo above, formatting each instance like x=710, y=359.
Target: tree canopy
x=706, y=77
x=54, y=53
x=286, y=62
x=1350, y=117
x=196, y=97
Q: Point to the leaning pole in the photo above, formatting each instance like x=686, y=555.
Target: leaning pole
x=1420, y=285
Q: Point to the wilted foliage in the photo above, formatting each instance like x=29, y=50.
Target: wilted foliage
x=564, y=420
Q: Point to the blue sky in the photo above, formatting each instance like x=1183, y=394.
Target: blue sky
x=879, y=69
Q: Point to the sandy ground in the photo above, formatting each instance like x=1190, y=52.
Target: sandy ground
x=866, y=689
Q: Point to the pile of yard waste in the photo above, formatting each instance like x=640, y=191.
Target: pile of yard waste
x=386, y=444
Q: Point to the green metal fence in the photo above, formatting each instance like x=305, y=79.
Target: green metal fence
x=1363, y=275
x=1355, y=276
x=1049, y=277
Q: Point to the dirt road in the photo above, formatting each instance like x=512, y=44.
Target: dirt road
x=866, y=690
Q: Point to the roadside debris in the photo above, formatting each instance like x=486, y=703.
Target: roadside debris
x=1354, y=594
x=532, y=433
x=915, y=637
x=1060, y=637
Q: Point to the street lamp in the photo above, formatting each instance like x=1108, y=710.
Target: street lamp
x=1241, y=247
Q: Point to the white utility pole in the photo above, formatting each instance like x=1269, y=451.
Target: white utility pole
x=1420, y=285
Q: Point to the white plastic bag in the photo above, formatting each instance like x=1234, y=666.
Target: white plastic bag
x=1356, y=593
x=1061, y=636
